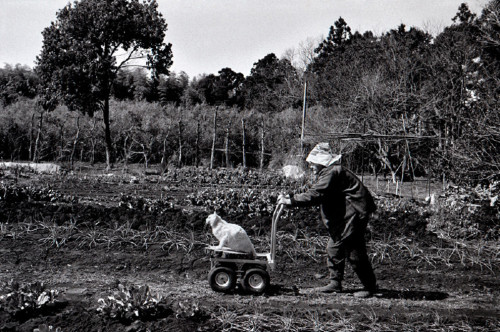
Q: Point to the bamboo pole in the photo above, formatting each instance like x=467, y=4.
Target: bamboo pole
x=212, y=155
x=244, y=143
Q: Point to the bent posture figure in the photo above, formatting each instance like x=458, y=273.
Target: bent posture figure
x=345, y=205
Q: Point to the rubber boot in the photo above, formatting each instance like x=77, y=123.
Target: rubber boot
x=363, y=294
x=366, y=292
x=333, y=287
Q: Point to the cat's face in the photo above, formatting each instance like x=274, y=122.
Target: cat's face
x=212, y=219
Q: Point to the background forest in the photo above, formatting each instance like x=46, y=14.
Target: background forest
x=405, y=103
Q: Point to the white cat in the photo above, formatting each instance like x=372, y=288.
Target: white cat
x=230, y=235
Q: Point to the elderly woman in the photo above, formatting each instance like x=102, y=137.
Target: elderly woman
x=345, y=205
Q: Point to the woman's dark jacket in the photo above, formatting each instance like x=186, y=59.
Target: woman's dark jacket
x=345, y=203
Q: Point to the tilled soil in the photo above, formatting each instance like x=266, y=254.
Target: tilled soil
x=412, y=295
x=82, y=275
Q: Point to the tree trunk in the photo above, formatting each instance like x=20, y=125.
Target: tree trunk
x=107, y=134
x=125, y=152
x=244, y=152
x=212, y=155
x=383, y=156
x=75, y=141
x=61, y=142
x=36, y=153
x=93, y=141
x=163, y=162
x=145, y=154
x=32, y=125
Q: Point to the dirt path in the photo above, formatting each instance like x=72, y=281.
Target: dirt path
x=84, y=275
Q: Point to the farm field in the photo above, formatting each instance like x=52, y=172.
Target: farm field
x=125, y=251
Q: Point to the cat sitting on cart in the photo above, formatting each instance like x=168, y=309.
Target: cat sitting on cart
x=235, y=261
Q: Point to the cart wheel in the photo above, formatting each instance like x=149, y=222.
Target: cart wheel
x=256, y=281
x=222, y=279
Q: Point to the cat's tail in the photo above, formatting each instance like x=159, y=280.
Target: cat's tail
x=254, y=253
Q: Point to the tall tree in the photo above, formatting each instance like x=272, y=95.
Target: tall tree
x=489, y=24
x=267, y=88
x=222, y=89
x=172, y=88
x=17, y=82
x=80, y=54
x=228, y=87
x=464, y=98
x=338, y=37
x=340, y=65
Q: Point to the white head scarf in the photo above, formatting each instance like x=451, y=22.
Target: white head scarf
x=322, y=155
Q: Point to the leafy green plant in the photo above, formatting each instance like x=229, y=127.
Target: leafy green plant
x=12, y=193
x=26, y=299
x=131, y=303
x=467, y=213
x=235, y=201
x=158, y=206
x=47, y=328
x=187, y=309
x=226, y=176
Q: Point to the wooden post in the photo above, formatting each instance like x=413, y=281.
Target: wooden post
x=429, y=174
x=75, y=141
x=363, y=155
x=302, y=152
x=36, y=154
x=32, y=125
x=213, y=140
x=197, y=143
x=61, y=142
x=180, y=143
x=226, y=146
x=93, y=140
x=163, y=162
x=262, y=144
x=244, y=143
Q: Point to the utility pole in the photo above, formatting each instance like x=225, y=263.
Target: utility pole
x=303, y=120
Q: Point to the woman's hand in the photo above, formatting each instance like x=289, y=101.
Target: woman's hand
x=284, y=199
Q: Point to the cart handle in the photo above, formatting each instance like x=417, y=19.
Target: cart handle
x=276, y=216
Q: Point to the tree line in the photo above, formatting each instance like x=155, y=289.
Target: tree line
x=405, y=102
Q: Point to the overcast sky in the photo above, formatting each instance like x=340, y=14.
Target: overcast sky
x=208, y=35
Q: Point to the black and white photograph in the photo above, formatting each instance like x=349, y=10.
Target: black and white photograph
x=249, y=165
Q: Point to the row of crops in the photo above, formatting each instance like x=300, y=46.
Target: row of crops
x=462, y=213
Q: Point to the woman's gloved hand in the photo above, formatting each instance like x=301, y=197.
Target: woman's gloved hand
x=284, y=199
